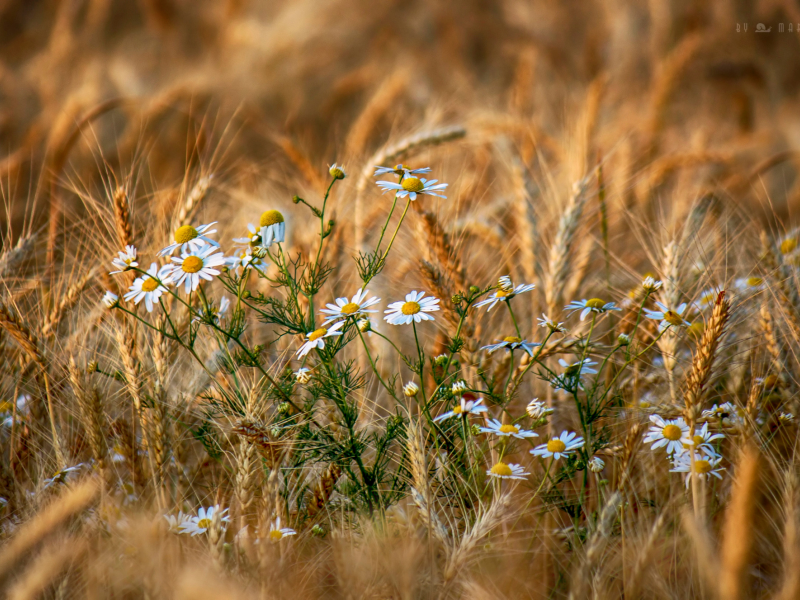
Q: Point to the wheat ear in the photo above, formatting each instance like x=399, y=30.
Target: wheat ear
x=421, y=489
x=91, y=409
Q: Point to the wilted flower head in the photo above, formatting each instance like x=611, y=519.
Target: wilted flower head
x=596, y=464
x=537, y=409
x=410, y=389
x=650, y=285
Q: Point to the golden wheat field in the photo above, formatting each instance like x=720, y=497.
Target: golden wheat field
x=374, y=299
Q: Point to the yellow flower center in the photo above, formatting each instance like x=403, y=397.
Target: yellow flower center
x=788, y=245
x=185, y=233
x=270, y=217
x=754, y=281
x=275, y=535
x=672, y=432
x=192, y=264
x=457, y=410
x=673, y=318
x=149, y=285
x=410, y=308
x=502, y=469
x=697, y=440
x=595, y=303
x=644, y=404
x=412, y=184
x=350, y=308
x=204, y=523
x=512, y=339
x=697, y=328
x=315, y=335
x=508, y=429
x=556, y=445
x=702, y=466
x=6, y=406
x=770, y=381
x=501, y=294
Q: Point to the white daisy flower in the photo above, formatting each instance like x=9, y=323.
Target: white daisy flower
x=191, y=267
x=189, y=239
x=707, y=299
x=512, y=342
x=277, y=533
x=721, y=411
x=579, y=368
x=201, y=523
x=400, y=170
x=410, y=389
x=415, y=308
x=316, y=339
x=554, y=326
x=247, y=259
x=150, y=287
x=61, y=476
x=786, y=417
x=355, y=307
x=272, y=228
x=562, y=445
x=503, y=471
x=789, y=243
x=496, y=427
x=337, y=171
x=673, y=434
x=537, y=409
x=458, y=387
x=252, y=239
x=468, y=406
x=412, y=186
x=596, y=464
x=704, y=466
x=701, y=440
x=125, y=261
x=504, y=293
x=595, y=305
x=650, y=285
x=177, y=522
x=110, y=300
x=668, y=316
x=215, y=312
x=750, y=284
x=302, y=375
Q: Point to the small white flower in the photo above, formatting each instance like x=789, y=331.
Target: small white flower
x=412, y=186
x=512, y=342
x=467, y=406
x=344, y=308
x=701, y=440
x=177, y=522
x=400, y=170
x=252, y=239
x=415, y=309
x=201, y=523
x=247, y=259
x=61, y=476
x=125, y=261
x=595, y=305
x=554, y=326
x=272, y=228
x=750, y=284
x=786, y=417
x=505, y=292
x=110, y=300
x=191, y=239
x=150, y=287
x=650, y=285
x=704, y=465
x=503, y=471
x=458, y=387
x=562, y=445
x=673, y=434
x=668, y=316
x=537, y=409
x=496, y=427
x=365, y=326
x=410, y=389
x=191, y=267
x=302, y=375
x=277, y=533
x=579, y=368
x=707, y=299
x=214, y=312
x=316, y=339
x=596, y=464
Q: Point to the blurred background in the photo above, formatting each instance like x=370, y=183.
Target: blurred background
x=674, y=98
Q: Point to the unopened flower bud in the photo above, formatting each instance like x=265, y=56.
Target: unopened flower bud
x=456, y=299
x=296, y=199
x=337, y=171
x=364, y=326
x=474, y=289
